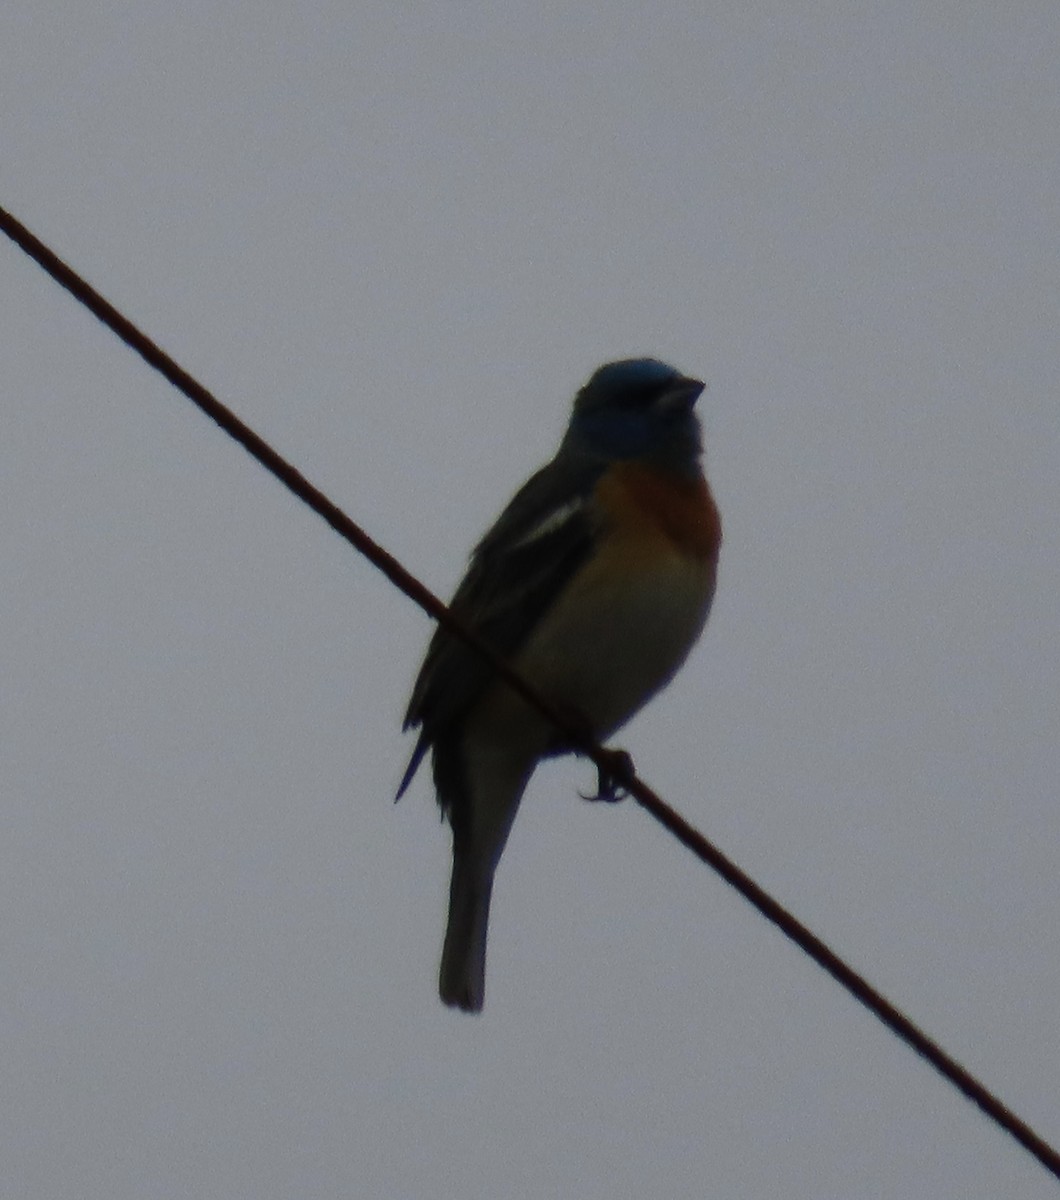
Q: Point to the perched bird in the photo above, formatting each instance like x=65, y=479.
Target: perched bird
x=594, y=583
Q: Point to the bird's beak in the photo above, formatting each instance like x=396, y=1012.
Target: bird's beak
x=682, y=394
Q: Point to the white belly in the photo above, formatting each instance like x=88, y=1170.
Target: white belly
x=614, y=639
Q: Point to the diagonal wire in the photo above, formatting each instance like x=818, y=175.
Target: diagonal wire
x=607, y=761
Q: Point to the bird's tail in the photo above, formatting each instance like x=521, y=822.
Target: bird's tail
x=480, y=785
x=462, y=977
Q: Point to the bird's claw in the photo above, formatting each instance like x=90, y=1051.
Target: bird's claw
x=612, y=779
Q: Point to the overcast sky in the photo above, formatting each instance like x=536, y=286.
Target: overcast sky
x=396, y=238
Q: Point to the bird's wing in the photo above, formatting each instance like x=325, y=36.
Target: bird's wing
x=518, y=569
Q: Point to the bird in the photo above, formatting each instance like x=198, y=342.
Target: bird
x=594, y=583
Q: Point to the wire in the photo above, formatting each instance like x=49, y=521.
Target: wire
x=611, y=764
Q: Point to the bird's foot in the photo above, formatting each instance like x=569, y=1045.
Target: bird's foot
x=612, y=779
x=615, y=771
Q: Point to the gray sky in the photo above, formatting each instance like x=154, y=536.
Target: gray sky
x=396, y=238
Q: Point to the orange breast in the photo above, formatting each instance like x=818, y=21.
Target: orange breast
x=642, y=502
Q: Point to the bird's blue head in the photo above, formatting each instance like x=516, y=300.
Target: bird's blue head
x=638, y=408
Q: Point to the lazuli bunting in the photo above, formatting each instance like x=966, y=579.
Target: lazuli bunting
x=594, y=582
